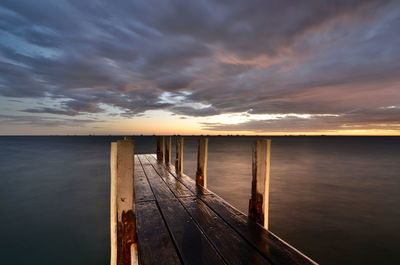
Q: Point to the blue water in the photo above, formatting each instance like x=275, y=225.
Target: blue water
x=334, y=198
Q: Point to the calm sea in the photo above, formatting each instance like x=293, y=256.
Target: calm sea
x=337, y=199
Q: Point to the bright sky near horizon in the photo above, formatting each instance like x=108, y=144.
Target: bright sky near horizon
x=200, y=67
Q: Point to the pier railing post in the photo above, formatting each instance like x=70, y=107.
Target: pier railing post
x=202, y=159
x=259, y=202
x=160, y=148
x=122, y=211
x=179, y=155
x=168, y=150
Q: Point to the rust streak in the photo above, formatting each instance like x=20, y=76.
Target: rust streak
x=126, y=237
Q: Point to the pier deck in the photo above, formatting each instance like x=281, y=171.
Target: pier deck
x=180, y=222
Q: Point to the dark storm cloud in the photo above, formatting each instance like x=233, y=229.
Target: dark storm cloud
x=259, y=57
x=43, y=121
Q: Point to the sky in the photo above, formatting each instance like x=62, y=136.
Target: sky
x=200, y=67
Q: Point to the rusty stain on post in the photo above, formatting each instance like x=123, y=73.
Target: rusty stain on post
x=259, y=202
x=123, y=227
x=202, y=160
x=126, y=237
x=179, y=155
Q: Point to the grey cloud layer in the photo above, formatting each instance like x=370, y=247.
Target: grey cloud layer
x=260, y=57
x=384, y=119
x=43, y=121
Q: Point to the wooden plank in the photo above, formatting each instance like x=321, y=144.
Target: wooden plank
x=175, y=186
x=160, y=148
x=179, y=155
x=158, y=186
x=229, y=243
x=276, y=250
x=155, y=245
x=168, y=149
x=259, y=201
x=183, y=178
x=122, y=218
x=143, y=191
x=144, y=161
x=137, y=165
x=202, y=161
x=193, y=246
x=269, y=245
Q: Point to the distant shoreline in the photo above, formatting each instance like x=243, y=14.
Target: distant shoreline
x=202, y=135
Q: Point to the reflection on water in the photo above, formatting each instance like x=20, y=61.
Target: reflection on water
x=334, y=198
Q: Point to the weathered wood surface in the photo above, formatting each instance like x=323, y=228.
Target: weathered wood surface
x=183, y=178
x=179, y=155
x=177, y=187
x=259, y=201
x=229, y=243
x=191, y=223
x=202, y=162
x=122, y=207
x=160, y=148
x=156, y=246
x=168, y=149
x=192, y=245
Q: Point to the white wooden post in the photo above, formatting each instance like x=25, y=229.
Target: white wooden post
x=122, y=210
x=259, y=202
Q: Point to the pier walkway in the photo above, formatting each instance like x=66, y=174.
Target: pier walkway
x=159, y=215
x=179, y=222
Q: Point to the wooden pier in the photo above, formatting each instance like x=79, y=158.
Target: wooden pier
x=159, y=215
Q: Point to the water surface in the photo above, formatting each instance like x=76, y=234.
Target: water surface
x=334, y=198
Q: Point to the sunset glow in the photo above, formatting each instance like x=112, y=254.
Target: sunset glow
x=200, y=67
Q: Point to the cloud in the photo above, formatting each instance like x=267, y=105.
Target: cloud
x=259, y=57
x=190, y=111
x=382, y=118
x=43, y=121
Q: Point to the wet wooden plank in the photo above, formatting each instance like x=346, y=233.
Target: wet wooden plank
x=183, y=178
x=143, y=161
x=276, y=250
x=229, y=243
x=158, y=186
x=176, y=186
x=155, y=245
x=193, y=246
x=137, y=165
x=143, y=191
x=270, y=246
